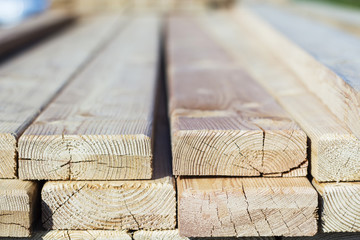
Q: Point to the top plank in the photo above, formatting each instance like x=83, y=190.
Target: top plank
x=222, y=121
x=100, y=126
x=326, y=59
x=29, y=81
x=32, y=29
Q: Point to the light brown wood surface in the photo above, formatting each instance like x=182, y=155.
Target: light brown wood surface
x=29, y=81
x=134, y=205
x=334, y=149
x=18, y=207
x=339, y=206
x=246, y=207
x=222, y=121
x=100, y=126
x=328, y=236
x=174, y=235
x=32, y=29
x=78, y=235
x=325, y=59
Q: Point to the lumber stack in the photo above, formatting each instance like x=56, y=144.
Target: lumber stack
x=336, y=144
x=224, y=124
x=28, y=82
x=333, y=145
x=101, y=128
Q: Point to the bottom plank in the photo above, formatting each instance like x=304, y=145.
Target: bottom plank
x=18, y=200
x=174, y=235
x=339, y=206
x=328, y=236
x=246, y=207
x=78, y=235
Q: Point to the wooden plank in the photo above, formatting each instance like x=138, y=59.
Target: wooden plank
x=100, y=126
x=77, y=235
x=134, y=205
x=325, y=59
x=32, y=29
x=29, y=81
x=246, y=207
x=343, y=18
x=222, y=121
x=174, y=235
x=328, y=236
x=339, y=206
x=18, y=207
x=334, y=149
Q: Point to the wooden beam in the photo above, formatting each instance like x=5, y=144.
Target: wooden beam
x=343, y=18
x=18, y=207
x=339, y=206
x=246, y=207
x=29, y=81
x=328, y=236
x=320, y=55
x=222, y=121
x=174, y=235
x=77, y=234
x=100, y=126
x=334, y=149
x=32, y=29
x=133, y=205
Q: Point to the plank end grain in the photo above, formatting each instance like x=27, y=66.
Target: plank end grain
x=100, y=127
x=339, y=206
x=8, y=155
x=223, y=122
x=246, y=207
x=18, y=203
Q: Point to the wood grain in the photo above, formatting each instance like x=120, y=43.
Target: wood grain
x=18, y=207
x=334, y=149
x=134, y=205
x=324, y=58
x=339, y=206
x=174, y=235
x=222, y=121
x=32, y=29
x=100, y=126
x=78, y=235
x=343, y=18
x=29, y=81
x=246, y=207
x=328, y=236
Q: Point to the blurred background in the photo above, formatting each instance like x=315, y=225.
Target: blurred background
x=13, y=12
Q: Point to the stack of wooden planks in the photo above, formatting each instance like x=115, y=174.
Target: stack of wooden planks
x=82, y=118
x=92, y=148
x=225, y=124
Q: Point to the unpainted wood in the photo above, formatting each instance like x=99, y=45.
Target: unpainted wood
x=222, y=121
x=174, y=235
x=78, y=235
x=334, y=149
x=29, y=81
x=134, y=205
x=339, y=206
x=32, y=29
x=325, y=59
x=343, y=18
x=246, y=207
x=18, y=207
x=100, y=126
x=328, y=236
